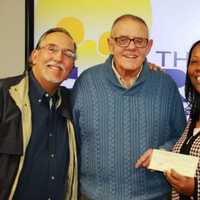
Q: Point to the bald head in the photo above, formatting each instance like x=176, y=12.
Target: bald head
x=129, y=17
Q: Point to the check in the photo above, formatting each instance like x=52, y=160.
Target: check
x=162, y=160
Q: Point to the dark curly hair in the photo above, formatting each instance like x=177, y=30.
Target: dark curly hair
x=191, y=94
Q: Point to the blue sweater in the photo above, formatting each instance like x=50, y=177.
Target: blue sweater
x=116, y=125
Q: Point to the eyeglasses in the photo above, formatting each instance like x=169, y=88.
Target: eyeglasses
x=54, y=49
x=124, y=41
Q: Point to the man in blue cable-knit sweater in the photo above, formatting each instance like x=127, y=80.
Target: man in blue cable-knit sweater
x=121, y=109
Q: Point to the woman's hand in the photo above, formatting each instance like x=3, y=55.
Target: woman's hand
x=182, y=184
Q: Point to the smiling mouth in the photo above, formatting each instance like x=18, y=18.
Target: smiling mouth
x=130, y=56
x=198, y=78
x=54, y=67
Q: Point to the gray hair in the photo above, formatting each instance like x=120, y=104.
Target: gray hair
x=45, y=34
x=129, y=16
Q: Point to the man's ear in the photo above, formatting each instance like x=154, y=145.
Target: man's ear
x=34, y=56
x=110, y=44
x=149, y=46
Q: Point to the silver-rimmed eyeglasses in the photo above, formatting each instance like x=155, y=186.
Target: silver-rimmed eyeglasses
x=54, y=49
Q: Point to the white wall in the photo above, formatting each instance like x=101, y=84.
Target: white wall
x=12, y=37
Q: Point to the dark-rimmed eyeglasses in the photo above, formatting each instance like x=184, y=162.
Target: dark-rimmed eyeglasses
x=54, y=49
x=124, y=41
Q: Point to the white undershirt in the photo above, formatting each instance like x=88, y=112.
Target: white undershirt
x=121, y=80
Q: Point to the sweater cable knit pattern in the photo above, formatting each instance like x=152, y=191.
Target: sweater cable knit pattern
x=116, y=125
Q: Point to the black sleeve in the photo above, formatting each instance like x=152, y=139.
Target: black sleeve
x=195, y=188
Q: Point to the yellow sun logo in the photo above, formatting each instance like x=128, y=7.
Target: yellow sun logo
x=89, y=23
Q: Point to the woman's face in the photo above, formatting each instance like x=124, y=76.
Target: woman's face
x=194, y=68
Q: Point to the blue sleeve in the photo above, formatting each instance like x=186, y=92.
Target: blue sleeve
x=177, y=118
x=76, y=104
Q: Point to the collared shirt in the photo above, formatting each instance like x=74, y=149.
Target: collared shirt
x=45, y=167
x=124, y=83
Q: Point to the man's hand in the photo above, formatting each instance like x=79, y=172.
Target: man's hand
x=145, y=159
x=182, y=184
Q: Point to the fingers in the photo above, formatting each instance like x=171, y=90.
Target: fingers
x=175, y=175
x=174, y=178
x=171, y=179
x=144, y=160
x=155, y=67
x=181, y=184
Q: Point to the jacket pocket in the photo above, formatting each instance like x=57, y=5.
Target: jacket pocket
x=11, y=140
x=11, y=148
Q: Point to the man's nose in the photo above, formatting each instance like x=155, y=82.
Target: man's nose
x=58, y=55
x=131, y=44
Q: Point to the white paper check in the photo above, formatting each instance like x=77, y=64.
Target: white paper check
x=162, y=160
